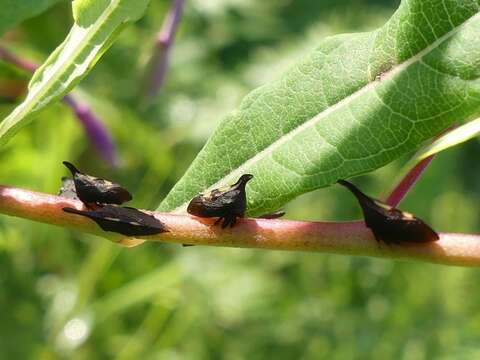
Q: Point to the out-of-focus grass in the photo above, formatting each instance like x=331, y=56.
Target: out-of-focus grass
x=69, y=294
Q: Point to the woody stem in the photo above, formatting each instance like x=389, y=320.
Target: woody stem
x=348, y=238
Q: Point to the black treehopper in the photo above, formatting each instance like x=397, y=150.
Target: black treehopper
x=123, y=220
x=226, y=204
x=390, y=224
x=92, y=190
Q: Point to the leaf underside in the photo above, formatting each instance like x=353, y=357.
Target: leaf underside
x=97, y=23
x=358, y=102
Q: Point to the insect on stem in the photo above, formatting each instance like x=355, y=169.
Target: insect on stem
x=226, y=204
x=390, y=224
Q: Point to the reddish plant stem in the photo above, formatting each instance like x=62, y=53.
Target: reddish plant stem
x=349, y=238
x=93, y=126
x=158, y=64
x=406, y=183
x=9, y=57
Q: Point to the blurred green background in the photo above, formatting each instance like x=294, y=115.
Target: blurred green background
x=64, y=294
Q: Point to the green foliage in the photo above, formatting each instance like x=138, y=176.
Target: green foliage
x=357, y=103
x=69, y=295
x=452, y=138
x=13, y=12
x=96, y=26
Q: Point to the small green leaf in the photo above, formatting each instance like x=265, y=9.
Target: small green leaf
x=450, y=139
x=13, y=12
x=354, y=105
x=97, y=25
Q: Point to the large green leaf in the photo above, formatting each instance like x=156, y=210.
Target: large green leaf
x=356, y=103
x=97, y=23
x=13, y=12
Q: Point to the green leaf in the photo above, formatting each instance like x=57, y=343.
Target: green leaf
x=13, y=12
x=358, y=102
x=450, y=139
x=97, y=23
x=163, y=280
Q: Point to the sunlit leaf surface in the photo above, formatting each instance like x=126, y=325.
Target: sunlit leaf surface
x=358, y=102
x=97, y=23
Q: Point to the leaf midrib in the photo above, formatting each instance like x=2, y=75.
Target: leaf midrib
x=27, y=107
x=233, y=175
